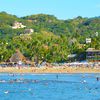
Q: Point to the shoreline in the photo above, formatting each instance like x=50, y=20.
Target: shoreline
x=48, y=70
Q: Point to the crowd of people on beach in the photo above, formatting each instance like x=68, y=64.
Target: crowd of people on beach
x=74, y=64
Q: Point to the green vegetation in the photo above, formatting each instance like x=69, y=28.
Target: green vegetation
x=52, y=40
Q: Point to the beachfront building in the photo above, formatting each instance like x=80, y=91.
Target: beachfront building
x=93, y=55
x=17, y=57
x=72, y=57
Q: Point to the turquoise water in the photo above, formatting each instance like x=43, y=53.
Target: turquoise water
x=49, y=87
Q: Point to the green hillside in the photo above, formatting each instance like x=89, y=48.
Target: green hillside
x=50, y=40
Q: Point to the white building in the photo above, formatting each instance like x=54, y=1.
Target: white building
x=88, y=40
x=17, y=25
x=96, y=34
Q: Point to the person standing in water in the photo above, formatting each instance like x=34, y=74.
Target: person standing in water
x=97, y=78
x=57, y=76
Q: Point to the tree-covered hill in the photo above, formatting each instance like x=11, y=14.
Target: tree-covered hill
x=51, y=39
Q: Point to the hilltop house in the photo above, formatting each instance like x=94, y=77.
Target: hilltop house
x=17, y=25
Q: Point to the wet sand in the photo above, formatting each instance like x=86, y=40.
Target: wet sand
x=49, y=70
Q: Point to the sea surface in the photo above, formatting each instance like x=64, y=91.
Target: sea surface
x=49, y=86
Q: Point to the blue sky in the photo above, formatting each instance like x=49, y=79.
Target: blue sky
x=62, y=9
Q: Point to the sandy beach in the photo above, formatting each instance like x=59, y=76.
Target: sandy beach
x=50, y=70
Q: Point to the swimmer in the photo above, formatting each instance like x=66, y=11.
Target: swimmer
x=84, y=81
x=6, y=92
x=97, y=78
x=2, y=81
x=57, y=76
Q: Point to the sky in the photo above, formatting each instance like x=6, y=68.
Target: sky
x=62, y=9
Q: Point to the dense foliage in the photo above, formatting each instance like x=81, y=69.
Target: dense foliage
x=52, y=40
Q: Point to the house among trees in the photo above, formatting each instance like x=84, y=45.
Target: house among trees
x=88, y=40
x=72, y=57
x=28, y=31
x=93, y=55
x=17, y=25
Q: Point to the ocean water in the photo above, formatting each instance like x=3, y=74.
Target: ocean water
x=49, y=87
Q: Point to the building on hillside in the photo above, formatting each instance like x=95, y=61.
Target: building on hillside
x=28, y=31
x=96, y=34
x=17, y=25
x=88, y=40
x=72, y=57
x=93, y=55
